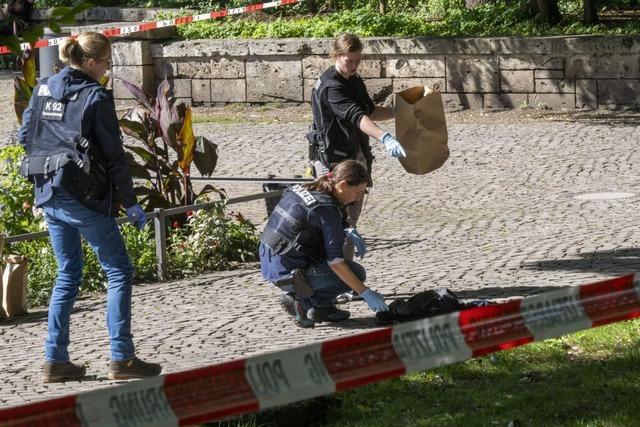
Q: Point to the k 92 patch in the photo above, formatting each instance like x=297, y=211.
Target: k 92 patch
x=53, y=109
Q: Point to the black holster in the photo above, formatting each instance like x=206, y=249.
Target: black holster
x=315, y=141
x=299, y=282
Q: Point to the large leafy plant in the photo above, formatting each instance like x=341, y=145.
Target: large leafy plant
x=25, y=83
x=162, y=124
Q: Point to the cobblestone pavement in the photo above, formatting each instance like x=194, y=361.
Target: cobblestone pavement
x=499, y=220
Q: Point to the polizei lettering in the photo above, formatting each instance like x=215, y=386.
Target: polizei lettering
x=552, y=313
x=425, y=342
x=304, y=194
x=268, y=378
x=146, y=406
x=317, y=371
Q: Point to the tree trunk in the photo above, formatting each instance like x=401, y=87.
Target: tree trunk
x=313, y=7
x=548, y=10
x=590, y=16
x=383, y=6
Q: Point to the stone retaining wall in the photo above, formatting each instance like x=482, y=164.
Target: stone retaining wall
x=585, y=72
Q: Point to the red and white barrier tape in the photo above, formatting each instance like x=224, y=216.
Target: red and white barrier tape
x=269, y=380
x=148, y=26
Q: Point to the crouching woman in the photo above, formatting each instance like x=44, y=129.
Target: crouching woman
x=301, y=248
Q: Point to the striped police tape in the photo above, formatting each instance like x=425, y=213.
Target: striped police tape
x=264, y=381
x=148, y=26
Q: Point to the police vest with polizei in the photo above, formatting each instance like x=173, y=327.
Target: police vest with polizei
x=288, y=230
x=54, y=139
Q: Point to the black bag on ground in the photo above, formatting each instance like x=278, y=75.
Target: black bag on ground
x=423, y=304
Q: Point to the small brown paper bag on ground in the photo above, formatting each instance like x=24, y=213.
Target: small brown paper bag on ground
x=3, y=314
x=421, y=129
x=14, y=285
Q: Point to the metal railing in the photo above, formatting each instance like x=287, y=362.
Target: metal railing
x=159, y=217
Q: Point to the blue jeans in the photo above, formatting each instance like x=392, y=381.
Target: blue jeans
x=327, y=285
x=67, y=220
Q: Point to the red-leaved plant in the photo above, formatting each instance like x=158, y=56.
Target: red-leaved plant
x=162, y=124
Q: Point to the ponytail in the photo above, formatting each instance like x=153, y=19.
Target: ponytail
x=351, y=171
x=73, y=51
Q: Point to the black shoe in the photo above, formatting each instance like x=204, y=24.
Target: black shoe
x=327, y=314
x=61, y=372
x=132, y=368
x=347, y=297
x=295, y=309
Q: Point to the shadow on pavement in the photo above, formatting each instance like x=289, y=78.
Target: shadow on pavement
x=40, y=315
x=614, y=262
x=626, y=118
x=34, y=317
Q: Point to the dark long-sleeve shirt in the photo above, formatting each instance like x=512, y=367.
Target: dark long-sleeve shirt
x=339, y=105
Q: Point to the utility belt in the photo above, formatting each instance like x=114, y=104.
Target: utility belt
x=85, y=180
x=298, y=281
x=326, y=152
x=50, y=164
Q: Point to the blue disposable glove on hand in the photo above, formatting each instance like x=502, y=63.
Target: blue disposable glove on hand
x=392, y=145
x=374, y=300
x=360, y=246
x=137, y=216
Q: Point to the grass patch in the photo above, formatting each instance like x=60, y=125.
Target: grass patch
x=585, y=379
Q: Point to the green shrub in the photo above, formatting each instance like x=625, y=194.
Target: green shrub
x=16, y=196
x=502, y=18
x=212, y=240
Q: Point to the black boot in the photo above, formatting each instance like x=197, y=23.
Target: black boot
x=132, y=368
x=327, y=314
x=295, y=309
x=61, y=372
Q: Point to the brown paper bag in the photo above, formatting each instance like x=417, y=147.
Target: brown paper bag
x=421, y=129
x=3, y=313
x=14, y=285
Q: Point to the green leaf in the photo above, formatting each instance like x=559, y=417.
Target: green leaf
x=208, y=189
x=146, y=155
x=137, y=170
x=22, y=95
x=205, y=156
x=134, y=129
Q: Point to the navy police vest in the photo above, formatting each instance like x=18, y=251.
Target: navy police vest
x=288, y=229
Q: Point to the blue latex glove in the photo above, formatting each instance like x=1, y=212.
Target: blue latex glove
x=360, y=246
x=137, y=216
x=392, y=145
x=374, y=300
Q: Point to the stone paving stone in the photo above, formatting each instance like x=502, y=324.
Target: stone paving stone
x=498, y=220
